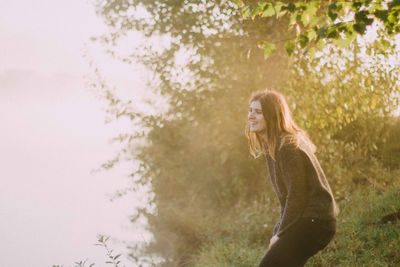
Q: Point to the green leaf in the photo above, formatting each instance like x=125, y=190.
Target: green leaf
x=291, y=7
x=392, y=18
x=309, y=15
x=332, y=11
x=382, y=15
x=262, y=5
x=360, y=27
x=289, y=46
x=269, y=11
x=246, y=12
x=385, y=44
x=311, y=53
x=346, y=41
x=303, y=40
x=361, y=16
x=332, y=33
x=332, y=15
x=278, y=6
x=238, y=3
x=341, y=27
x=280, y=9
x=268, y=48
x=312, y=35
x=320, y=44
x=368, y=21
x=321, y=32
x=332, y=6
x=254, y=12
x=292, y=20
x=357, y=5
x=313, y=21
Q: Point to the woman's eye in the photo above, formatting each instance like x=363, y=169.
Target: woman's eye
x=256, y=111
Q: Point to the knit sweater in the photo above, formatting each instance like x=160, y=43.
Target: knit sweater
x=300, y=185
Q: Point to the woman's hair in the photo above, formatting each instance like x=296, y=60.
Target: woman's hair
x=280, y=126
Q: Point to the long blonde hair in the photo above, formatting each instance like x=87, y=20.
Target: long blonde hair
x=280, y=126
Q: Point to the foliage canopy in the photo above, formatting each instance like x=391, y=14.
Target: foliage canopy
x=315, y=22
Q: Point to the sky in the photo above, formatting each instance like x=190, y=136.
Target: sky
x=54, y=136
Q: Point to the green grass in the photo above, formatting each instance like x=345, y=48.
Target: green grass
x=361, y=239
x=229, y=254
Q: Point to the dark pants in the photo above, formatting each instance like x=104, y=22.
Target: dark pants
x=299, y=243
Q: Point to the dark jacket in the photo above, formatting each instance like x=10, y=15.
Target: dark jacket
x=301, y=186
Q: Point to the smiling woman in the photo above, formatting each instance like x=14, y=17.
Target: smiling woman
x=308, y=209
x=256, y=118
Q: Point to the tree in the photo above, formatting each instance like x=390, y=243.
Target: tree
x=195, y=155
x=315, y=22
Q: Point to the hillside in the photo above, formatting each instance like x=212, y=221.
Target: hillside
x=368, y=234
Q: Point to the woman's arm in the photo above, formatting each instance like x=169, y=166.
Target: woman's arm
x=293, y=164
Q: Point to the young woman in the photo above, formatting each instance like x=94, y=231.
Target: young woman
x=308, y=210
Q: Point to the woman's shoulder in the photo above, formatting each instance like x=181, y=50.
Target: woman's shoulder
x=288, y=142
x=297, y=141
x=288, y=150
x=297, y=146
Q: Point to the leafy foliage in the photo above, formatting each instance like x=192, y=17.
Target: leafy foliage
x=314, y=22
x=112, y=258
x=346, y=86
x=195, y=154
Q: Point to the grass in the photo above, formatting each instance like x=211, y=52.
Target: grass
x=361, y=239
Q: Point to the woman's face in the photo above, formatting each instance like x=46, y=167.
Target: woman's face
x=256, y=117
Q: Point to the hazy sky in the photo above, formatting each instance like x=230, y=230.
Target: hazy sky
x=53, y=135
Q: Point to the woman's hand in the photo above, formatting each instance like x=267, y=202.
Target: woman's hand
x=272, y=241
